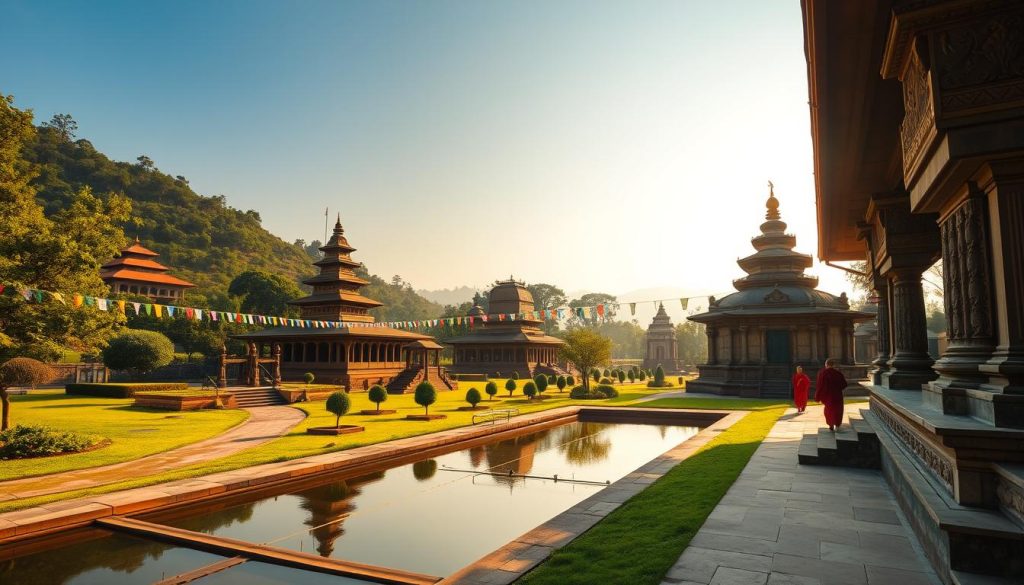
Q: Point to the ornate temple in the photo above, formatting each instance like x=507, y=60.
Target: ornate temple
x=661, y=343
x=135, y=271
x=775, y=321
x=504, y=344
x=917, y=123
x=357, y=354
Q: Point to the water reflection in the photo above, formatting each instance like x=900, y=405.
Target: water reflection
x=103, y=559
x=383, y=518
x=328, y=505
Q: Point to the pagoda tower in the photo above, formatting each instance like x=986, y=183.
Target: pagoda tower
x=336, y=295
x=662, y=345
x=775, y=321
x=136, y=271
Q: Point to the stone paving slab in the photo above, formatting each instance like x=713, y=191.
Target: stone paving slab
x=264, y=424
x=804, y=525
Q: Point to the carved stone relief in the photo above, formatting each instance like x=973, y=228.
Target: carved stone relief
x=919, y=117
x=941, y=465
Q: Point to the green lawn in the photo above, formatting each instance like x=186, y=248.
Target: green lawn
x=639, y=542
x=132, y=432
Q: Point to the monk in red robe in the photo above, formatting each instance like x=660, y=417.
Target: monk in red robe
x=829, y=391
x=801, y=383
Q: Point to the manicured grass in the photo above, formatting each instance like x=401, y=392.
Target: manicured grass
x=639, y=542
x=298, y=443
x=133, y=432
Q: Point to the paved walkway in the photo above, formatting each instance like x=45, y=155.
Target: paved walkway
x=264, y=424
x=783, y=523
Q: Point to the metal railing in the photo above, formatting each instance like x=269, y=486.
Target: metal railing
x=494, y=415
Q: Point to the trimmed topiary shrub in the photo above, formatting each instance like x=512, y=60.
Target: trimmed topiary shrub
x=552, y=380
x=596, y=375
x=570, y=380
x=425, y=395
x=510, y=386
x=308, y=377
x=138, y=351
x=621, y=376
x=605, y=381
x=598, y=392
x=542, y=383
x=25, y=441
x=473, y=397
x=530, y=389
x=491, y=389
x=659, y=379
x=514, y=376
x=378, y=394
x=631, y=375
x=338, y=404
x=641, y=375
x=561, y=382
x=607, y=390
x=424, y=470
x=122, y=390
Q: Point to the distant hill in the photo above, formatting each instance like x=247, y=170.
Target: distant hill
x=449, y=296
x=202, y=239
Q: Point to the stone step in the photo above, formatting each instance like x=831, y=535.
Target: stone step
x=863, y=428
x=807, y=454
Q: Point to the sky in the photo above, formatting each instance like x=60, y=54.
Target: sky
x=607, y=146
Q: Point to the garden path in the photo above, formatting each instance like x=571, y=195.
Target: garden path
x=786, y=523
x=265, y=423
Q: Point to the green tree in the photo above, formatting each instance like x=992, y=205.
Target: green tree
x=692, y=342
x=621, y=375
x=265, y=293
x=64, y=125
x=597, y=375
x=542, y=382
x=473, y=397
x=378, y=394
x=659, y=376
x=547, y=296
x=20, y=372
x=58, y=251
x=491, y=389
x=510, y=385
x=338, y=404
x=530, y=389
x=561, y=383
x=425, y=395
x=138, y=351
x=585, y=349
x=631, y=374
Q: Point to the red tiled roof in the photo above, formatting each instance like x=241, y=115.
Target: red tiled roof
x=126, y=274
x=135, y=262
x=136, y=248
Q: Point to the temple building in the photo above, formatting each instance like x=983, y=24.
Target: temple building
x=776, y=321
x=504, y=344
x=662, y=345
x=917, y=125
x=358, y=353
x=135, y=271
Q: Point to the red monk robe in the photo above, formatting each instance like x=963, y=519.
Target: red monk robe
x=801, y=384
x=829, y=391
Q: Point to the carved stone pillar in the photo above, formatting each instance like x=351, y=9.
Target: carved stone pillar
x=881, y=363
x=848, y=343
x=763, y=332
x=910, y=366
x=222, y=378
x=277, y=365
x=1003, y=184
x=744, y=358
x=712, y=335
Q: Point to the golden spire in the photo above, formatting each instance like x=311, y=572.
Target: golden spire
x=772, y=204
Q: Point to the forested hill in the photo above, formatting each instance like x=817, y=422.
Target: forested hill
x=202, y=238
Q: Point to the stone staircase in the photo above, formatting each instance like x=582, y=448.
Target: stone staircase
x=254, y=397
x=855, y=444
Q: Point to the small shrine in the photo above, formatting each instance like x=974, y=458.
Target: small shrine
x=509, y=339
x=775, y=321
x=356, y=353
x=135, y=271
x=662, y=347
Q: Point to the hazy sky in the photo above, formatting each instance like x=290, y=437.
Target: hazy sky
x=607, y=146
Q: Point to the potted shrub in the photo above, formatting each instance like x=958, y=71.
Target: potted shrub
x=491, y=389
x=530, y=389
x=510, y=386
x=473, y=398
x=337, y=404
x=377, y=394
x=425, y=395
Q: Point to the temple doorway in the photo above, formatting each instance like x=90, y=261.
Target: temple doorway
x=778, y=346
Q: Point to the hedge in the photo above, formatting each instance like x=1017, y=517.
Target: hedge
x=121, y=390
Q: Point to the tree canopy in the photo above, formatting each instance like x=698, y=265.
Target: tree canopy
x=586, y=349
x=265, y=293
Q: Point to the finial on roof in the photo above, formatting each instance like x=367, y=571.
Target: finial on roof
x=137, y=240
x=337, y=226
x=772, y=204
